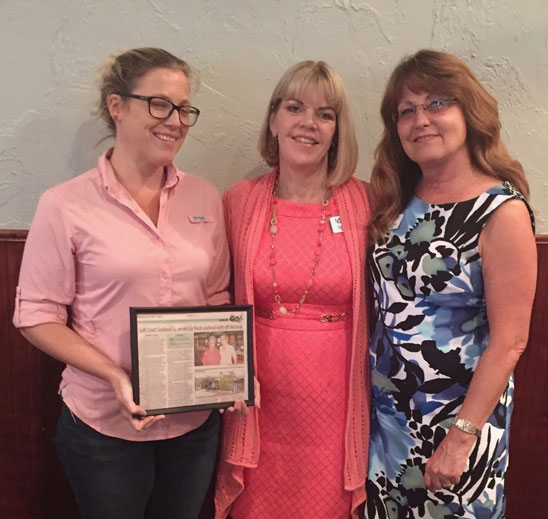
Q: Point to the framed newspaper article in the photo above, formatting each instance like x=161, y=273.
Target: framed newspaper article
x=191, y=358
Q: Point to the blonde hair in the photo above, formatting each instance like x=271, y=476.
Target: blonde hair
x=343, y=153
x=395, y=175
x=120, y=72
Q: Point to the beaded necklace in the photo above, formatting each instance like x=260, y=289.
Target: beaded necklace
x=282, y=309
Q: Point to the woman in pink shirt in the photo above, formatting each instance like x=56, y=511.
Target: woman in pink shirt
x=133, y=231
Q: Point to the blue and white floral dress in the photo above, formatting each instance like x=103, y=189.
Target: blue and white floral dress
x=431, y=331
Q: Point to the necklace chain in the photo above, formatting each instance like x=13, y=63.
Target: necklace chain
x=282, y=309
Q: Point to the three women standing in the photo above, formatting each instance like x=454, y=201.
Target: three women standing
x=298, y=241
x=454, y=274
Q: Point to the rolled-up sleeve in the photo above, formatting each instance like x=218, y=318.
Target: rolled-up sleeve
x=47, y=277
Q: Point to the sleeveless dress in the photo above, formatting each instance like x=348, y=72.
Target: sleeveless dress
x=431, y=331
x=304, y=367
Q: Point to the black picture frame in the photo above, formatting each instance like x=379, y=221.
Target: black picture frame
x=170, y=372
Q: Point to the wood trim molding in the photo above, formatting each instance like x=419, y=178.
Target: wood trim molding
x=13, y=234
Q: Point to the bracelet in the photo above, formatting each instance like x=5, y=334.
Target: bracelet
x=466, y=426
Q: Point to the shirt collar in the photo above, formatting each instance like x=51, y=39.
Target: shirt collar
x=173, y=175
x=113, y=186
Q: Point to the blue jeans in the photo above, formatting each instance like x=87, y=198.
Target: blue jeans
x=119, y=479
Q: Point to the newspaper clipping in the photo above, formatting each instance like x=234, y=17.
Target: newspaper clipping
x=190, y=360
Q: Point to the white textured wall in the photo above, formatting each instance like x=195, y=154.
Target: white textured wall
x=50, y=50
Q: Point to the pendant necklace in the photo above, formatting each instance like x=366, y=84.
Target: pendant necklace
x=282, y=309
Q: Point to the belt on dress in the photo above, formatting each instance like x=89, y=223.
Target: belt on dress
x=322, y=313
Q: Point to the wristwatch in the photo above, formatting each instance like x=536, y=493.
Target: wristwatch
x=464, y=425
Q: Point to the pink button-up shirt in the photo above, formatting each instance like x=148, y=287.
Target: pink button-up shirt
x=93, y=249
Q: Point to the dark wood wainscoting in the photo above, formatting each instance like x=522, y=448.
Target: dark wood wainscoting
x=526, y=484
x=32, y=482
x=33, y=485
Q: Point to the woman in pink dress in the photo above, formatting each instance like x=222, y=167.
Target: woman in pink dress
x=298, y=242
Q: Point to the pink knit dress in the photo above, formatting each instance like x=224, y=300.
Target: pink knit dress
x=304, y=372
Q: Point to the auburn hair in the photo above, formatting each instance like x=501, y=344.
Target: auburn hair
x=395, y=175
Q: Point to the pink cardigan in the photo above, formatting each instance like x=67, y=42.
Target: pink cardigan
x=246, y=213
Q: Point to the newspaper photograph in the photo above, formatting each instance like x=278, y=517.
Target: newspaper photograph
x=191, y=358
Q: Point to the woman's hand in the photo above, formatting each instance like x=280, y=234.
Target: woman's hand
x=449, y=460
x=240, y=405
x=135, y=414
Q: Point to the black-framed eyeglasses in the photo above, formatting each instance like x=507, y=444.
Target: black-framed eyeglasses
x=434, y=106
x=161, y=108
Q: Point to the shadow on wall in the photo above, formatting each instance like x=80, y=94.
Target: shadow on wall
x=90, y=140
x=257, y=170
x=57, y=152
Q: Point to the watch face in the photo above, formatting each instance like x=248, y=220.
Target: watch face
x=464, y=425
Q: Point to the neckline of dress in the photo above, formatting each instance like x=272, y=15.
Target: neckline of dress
x=468, y=200
x=287, y=208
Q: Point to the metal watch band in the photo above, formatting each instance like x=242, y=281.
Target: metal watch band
x=464, y=425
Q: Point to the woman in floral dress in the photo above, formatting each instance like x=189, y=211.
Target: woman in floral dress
x=454, y=271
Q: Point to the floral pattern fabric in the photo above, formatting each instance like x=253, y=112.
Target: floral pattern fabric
x=431, y=331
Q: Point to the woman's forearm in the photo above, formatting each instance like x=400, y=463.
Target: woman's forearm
x=65, y=345
x=489, y=382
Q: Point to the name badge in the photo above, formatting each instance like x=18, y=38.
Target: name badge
x=199, y=219
x=336, y=224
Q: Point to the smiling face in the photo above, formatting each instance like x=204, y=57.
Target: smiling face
x=211, y=342
x=151, y=142
x=305, y=127
x=431, y=138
